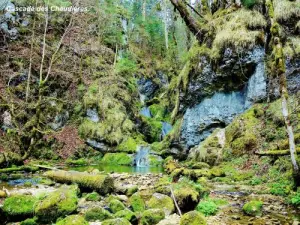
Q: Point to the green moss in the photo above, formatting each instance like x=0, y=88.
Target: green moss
x=73, y=220
x=137, y=202
x=285, y=10
x=155, y=161
x=193, y=218
x=161, y=201
x=200, y=165
x=253, y=208
x=152, y=216
x=31, y=221
x=19, y=206
x=159, y=112
x=126, y=214
x=97, y=213
x=207, y=207
x=59, y=203
x=281, y=188
x=77, y=162
x=101, y=183
x=118, y=221
x=117, y=159
x=295, y=198
x=19, y=168
x=152, y=129
x=94, y=196
x=115, y=205
x=128, y=145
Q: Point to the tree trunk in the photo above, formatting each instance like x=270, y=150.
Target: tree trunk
x=278, y=70
x=193, y=25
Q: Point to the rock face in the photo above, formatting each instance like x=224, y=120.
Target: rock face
x=219, y=110
x=146, y=88
x=231, y=73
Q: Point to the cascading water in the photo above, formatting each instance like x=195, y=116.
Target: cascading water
x=142, y=156
x=145, y=111
x=166, y=128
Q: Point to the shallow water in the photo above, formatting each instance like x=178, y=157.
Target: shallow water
x=118, y=169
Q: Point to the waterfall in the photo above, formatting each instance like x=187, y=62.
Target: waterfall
x=145, y=112
x=166, y=128
x=142, y=156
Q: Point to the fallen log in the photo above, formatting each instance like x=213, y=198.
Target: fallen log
x=19, y=168
x=101, y=183
x=276, y=152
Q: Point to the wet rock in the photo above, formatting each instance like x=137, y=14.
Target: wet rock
x=59, y=121
x=101, y=146
x=147, y=88
x=92, y=115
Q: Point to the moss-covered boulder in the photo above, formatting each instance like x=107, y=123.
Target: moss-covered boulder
x=151, y=128
x=117, y=159
x=117, y=221
x=97, y=213
x=19, y=207
x=170, y=164
x=161, y=201
x=127, y=214
x=152, y=216
x=31, y=221
x=253, y=208
x=101, y=183
x=193, y=218
x=94, y=196
x=187, y=194
x=62, y=202
x=137, y=202
x=73, y=220
x=116, y=205
x=200, y=165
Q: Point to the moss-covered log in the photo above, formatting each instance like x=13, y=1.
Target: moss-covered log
x=20, y=168
x=276, y=152
x=101, y=183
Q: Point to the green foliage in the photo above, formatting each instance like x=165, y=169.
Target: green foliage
x=19, y=206
x=207, y=207
x=253, y=208
x=117, y=159
x=73, y=220
x=295, y=198
x=130, y=144
x=126, y=67
x=255, y=181
x=77, y=162
x=97, y=213
x=118, y=221
x=281, y=188
x=152, y=129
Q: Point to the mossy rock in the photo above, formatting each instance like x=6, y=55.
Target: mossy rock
x=217, y=172
x=127, y=214
x=161, y=201
x=31, y=221
x=187, y=197
x=19, y=207
x=59, y=203
x=137, y=202
x=117, y=159
x=117, y=221
x=94, y=196
x=73, y=220
x=200, y=165
x=116, y=205
x=152, y=216
x=193, y=218
x=155, y=161
x=163, y=186
x=253, y=208
x=152, y=129
x=170, y=164
x=97, y=213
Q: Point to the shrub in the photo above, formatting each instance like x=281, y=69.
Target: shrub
x=207, y=207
